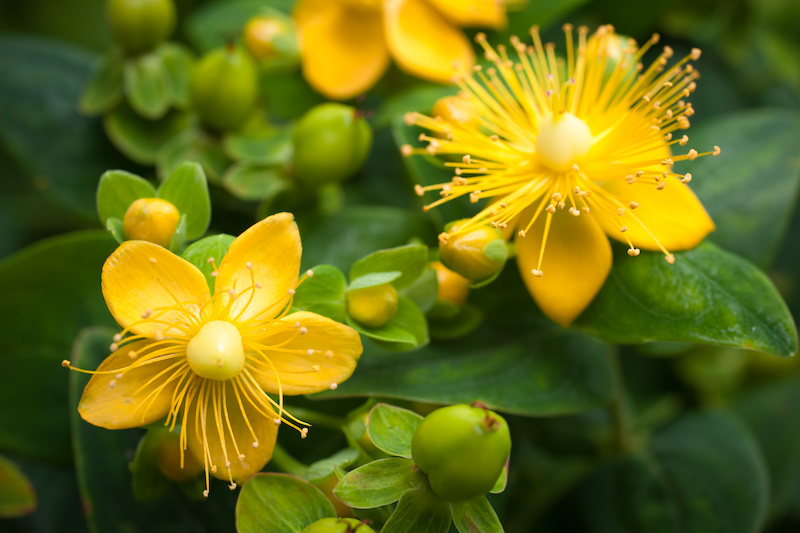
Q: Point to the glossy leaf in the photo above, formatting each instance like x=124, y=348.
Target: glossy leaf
x=148, y=85
x=104, y=90
x=280, y=503
x=405, y=331
x=373, y=279
x=214, y=247
x=708, y=296
x=750, y=189
x=379, y=483
x=323, y=293
x=263, y=148
x=323, y=468
x=419, y=511
x=409, y=260
x=187, y=189
x=17, y=497
x=391, y=428
x=192, y=145
x=475, y=516
x=116, y=192
x=141, y=139
x=178, y=62
x=250, y=182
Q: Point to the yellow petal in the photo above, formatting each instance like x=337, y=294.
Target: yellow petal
x=335, y=348
x=485, y=13
x=423, y=42
x=113, y=402
x=577, y=259
x=140, y=277
x=272, y=249
x=674, y=215
x=209, y=424
x=344, y=51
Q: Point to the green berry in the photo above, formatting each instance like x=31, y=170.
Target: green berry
x=462, y=449
x=331, y=143
x=141, y=25
x=224, y=88
x=477, y=253
x=372, y=306
x=338, y=525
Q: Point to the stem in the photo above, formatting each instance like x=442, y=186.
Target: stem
x=285, y=462
x=618, y=408
x=315, y=418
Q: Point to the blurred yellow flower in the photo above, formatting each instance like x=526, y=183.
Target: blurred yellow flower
x=209, y=362
x=571, y=150
x=347, y=43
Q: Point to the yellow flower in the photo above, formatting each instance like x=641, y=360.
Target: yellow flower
x=569, y=151
x=347, y=43
x=209, y=362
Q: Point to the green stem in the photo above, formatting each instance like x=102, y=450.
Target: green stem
x=618, y=408
x=285, y=462
x=316, y=418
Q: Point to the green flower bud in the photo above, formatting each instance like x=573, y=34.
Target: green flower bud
x=151, y=219
x=478, y=253
x=141, y=25
x=224, y=88
x=462, y=449
x=331, y=143
x=372, y=306
x=338, y=525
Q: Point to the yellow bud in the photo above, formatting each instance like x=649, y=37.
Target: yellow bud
x=456, y=110
x=477, y=253
x=453, y=287
x=168, y=458
x=261, y=36
x=151, y=219
x=372, y=306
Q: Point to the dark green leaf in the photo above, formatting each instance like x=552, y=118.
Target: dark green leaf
x=116, y=192
x=141, y=139
x=262, y=148
x=419, y=511
x=323, y=293
x=178, y=61
x=462, y=323
x=250, y=182
x=410, y=260
x=757, y=173
x=60, y=275
x=373, y=279
x=475, y=516
x=391, y=428
x=280, y=503
x=193, y=145
x=536, y=13
x=148, y=86
x=17, y=497
x=708, y=296
x=405, y=331
x=198, y=254
x=187, y=189
x=379, y=483
x=215, y=24
x=148, y=482
x=104, y=90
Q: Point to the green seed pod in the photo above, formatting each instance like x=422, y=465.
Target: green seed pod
x=462, y=449
x=478, y=254
x=338, y=525
x=331, y=143
x=141, y=25
x=224, y=88
x=372, y=306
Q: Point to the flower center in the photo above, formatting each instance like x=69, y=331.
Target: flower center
x=216, y=352
x=562, y=140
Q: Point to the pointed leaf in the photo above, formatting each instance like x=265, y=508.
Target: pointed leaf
x=116, y=228
x=178, y=61
x=419, y=511
x=187, y=189
x=391, y=428
x=409, y=260
x=475, y=516
x=250, y=182
x=141, y=139
x=104, y=90
x=378, y=483
x=116, y=192
x=373, y=279
x=323, y=293
x=148, y=86
x=325, y=467
x=263, y=148
x=214, y=247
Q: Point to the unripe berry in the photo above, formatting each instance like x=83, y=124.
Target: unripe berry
x=477, y=254
x=168, y=459
x=140, y=25
x=224, y=88
x=452, y=286
x=272, y=38
x=462, y=450
x=372, y=306
x=151, y=219
x=338, y=525
x=331, y=143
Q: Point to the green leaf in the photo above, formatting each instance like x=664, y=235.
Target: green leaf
x=58, y=275
x=703, y=473
x=405, y=331
x=117, y=229
x=141, y=139
x=116, y=192
x=419, y=98
x=410, y=260
x=758, y=172
x=423, y=291
x=215, y=24
x=372, y=279
x=462, y=323
x=178, y=61
x=148, y=85
x=198, y=254
x=378, y=483
x=148, y=482
x=542, y=14
x=178, y=240
x=187, y=189
x=261, y=148
x=391, y=428
x=708, y=296
x=323, y=468
x=280, y=503
x=104, y=90
x=250, y=182
x=419, y=511
x=17, y=497
x=192, y=145
x=323, y=293
x=475, y=516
